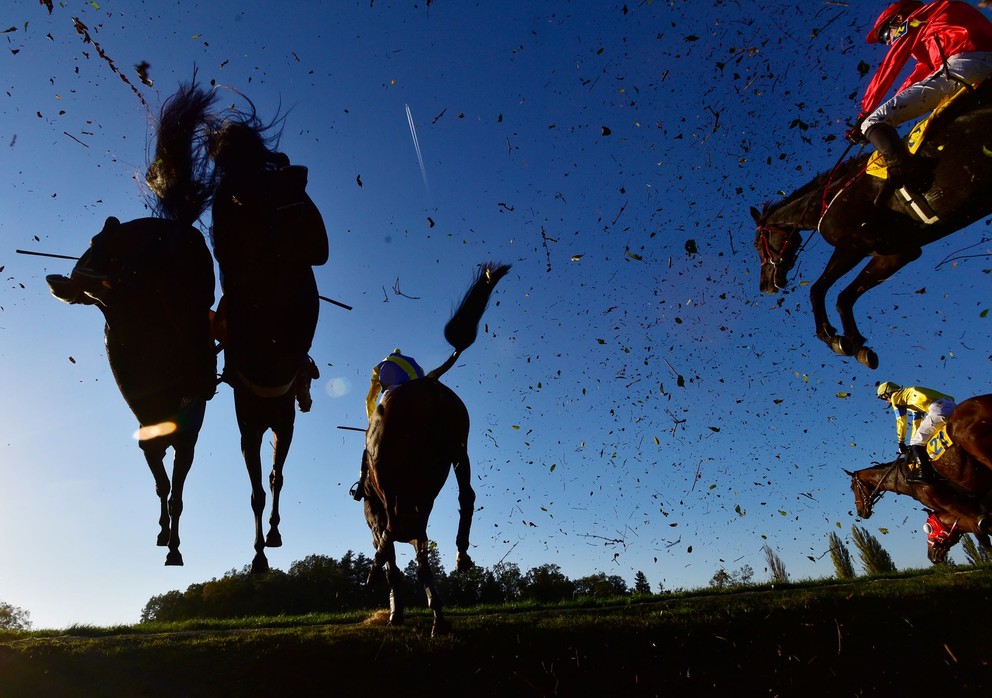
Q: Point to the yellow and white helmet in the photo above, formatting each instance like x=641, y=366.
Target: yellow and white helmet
x=887, y=388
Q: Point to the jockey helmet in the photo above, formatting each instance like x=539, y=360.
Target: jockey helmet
x=887, y=388
x=903, y=7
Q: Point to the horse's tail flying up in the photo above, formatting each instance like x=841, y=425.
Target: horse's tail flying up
x=179, y=175
x=462, y=328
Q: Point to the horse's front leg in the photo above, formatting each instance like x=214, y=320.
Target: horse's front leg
x=282, y=438
x=466, y=508
x=840, y=263
x=251, y=446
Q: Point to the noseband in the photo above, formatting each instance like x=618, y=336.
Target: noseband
x=766, y=252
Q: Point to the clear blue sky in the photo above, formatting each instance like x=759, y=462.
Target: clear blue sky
x=585, y=142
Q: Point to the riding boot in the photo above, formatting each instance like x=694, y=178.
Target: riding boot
x=357, y=490
x=903, y=170
x=920, y=468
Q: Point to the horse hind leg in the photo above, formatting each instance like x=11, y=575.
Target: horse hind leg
x=283, y=438
x=251, y=445
x=182, y=463
x=426, y=576
x=466, y=509
x=155, y=457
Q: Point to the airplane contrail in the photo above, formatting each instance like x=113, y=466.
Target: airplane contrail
x=416, y=147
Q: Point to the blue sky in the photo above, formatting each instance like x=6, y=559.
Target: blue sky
x=584, y=142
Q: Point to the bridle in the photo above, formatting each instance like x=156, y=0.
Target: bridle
x=869, y=496
x=767, y=253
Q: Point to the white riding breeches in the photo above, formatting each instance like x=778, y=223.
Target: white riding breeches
x=935, y=417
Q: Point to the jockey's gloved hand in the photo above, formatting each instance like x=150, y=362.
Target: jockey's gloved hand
x=855, y=135
x=903, y=448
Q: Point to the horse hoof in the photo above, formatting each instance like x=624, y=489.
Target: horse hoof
x=441, y=627
x=396, y=619
x=260, y=565
x=866, y=357
x=163, y=539
x=174, y=559
x=841, y=345
x=273, y=540
x=463, y=562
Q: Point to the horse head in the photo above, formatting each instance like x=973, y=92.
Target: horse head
x=865, y=495
x=777, y=249
x=942, y=535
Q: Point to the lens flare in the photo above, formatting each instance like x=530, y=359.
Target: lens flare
x=153, y=431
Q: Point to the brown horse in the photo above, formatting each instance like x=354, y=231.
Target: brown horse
x=958, y=511
x=267, y=236
x=418, y=432
x=153, y=279
x=890, y=235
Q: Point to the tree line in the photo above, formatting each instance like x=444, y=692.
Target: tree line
x=322, y=584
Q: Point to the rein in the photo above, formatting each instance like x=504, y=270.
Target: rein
x=872, y=496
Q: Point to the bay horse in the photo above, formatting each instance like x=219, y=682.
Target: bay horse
x=416, y=435
x=153, y=280
x=840, y=205
x=267, y=236
x=957, y=511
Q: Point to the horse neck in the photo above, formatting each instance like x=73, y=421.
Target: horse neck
x=798, y=211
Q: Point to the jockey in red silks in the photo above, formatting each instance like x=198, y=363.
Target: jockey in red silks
x=951, y=42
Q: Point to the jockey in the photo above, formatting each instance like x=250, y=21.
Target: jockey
x=935, y=407
x=951, y=42
x=393, y=371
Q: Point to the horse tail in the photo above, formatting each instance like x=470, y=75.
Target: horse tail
x=179, y=175
x=463, y=327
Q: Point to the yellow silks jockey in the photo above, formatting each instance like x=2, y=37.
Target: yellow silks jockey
x=392, y=371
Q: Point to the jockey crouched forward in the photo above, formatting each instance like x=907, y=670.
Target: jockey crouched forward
x=951, y=42
x=929, y=409
x=393, y=371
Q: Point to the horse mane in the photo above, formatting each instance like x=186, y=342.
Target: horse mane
x=835, y=176
x=179, y=175
x=242, y=134
x=463, y=327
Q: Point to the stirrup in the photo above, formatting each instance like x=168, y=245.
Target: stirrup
x=356, y=493
x=919, y=205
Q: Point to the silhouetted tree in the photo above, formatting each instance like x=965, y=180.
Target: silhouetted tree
x=841, y=557
x=722, y=579
x=14, y=618
x=976, y=556
x=641, y=583
x=776, y=567
x=874, y=558
x=547, y=584
x=600, y=585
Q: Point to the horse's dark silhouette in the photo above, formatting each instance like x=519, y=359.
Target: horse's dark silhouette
x=957, y=510
x=267, y=235
x=153, y=280
x=417, y=433
x=955, y=151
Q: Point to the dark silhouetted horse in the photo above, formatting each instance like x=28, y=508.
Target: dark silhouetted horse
x=889, y=235
x=153, y=280
x=958, y=511
x=267, y=235
x=417, y=433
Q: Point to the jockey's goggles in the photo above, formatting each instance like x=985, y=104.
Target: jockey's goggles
x=893, y=31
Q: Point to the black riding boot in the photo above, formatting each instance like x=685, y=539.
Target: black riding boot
x=903, y=168
x=920, y=468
